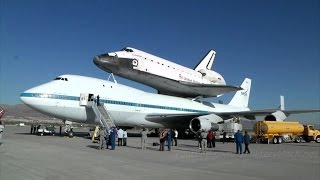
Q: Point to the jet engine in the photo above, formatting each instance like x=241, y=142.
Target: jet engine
x=276, y=116
x=207, y=122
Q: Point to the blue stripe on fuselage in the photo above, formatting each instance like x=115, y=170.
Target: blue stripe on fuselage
x=76, y=98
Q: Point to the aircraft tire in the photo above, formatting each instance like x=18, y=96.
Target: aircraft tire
x=70, y=134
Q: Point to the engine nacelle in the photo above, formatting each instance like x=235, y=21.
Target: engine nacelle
x=207, y=122
x=276, y=116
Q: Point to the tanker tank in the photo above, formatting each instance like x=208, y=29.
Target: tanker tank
x=276, y=127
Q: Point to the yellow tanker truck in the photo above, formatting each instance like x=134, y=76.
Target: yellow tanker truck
x=279, y=131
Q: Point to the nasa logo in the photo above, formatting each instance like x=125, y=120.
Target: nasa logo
x=245, y=93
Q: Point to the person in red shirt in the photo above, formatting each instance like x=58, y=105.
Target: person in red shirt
x=210, y=139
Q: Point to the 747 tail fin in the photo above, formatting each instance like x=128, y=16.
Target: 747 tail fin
x=241, y=98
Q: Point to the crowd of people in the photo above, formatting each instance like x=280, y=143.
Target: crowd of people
x=168, y=138
x=108, y=137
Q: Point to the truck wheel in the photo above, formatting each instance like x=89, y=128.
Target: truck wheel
x=318, y=139
x=279, y=140
x=297, y=140
x=275, y=140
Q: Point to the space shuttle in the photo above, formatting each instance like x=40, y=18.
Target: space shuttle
x=166, y=76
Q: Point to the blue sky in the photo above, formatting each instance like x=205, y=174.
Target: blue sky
x=274, y=42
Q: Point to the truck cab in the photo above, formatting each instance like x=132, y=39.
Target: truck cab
x=311, y=134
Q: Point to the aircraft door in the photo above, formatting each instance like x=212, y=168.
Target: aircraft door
x=86, y=99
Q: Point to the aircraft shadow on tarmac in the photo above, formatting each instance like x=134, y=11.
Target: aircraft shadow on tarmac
x=180, y=148
x=312, y=145
x=93, y=146
x=75, y=134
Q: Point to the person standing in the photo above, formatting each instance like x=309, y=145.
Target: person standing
x=102, y=137
x=204, y=135
x=1, y=131
x=210, y=139
x=107, y=137
x=113, y=133
x=169, y=139
x=162, y=135
x=125, y=136
x=199, y=138
x=144, y=137
x=238, y=138
x=98, y=100
x=120, y=137
x=31, y=131
x=224, y=137
x=34, y=129
x=175, y=137
x=246, y=139
x=214, y=139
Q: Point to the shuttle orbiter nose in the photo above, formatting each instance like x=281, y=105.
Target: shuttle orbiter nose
x=106, y=61
x=97, y=61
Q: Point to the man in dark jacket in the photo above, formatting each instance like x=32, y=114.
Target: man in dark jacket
x=246, y=139
x=113, y=133
x=224, y=138
x=169, y=139
x=238, y=138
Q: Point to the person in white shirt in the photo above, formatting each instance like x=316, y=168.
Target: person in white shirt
x=120, y=137
x=175, y=137
x=125, y=136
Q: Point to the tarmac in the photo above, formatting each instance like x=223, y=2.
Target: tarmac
x=25, y=156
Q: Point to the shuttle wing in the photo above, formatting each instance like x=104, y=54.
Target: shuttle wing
x=185, y=89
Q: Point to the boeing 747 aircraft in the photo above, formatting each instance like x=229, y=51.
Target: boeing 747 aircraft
x=167, y=77
x=130, y=107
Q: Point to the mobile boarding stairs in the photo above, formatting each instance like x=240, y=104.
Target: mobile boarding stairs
x=101, y=113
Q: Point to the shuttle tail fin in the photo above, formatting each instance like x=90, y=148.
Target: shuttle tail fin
x=241, y=98
x=206, y=62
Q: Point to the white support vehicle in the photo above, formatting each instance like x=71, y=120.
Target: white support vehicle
x=46, y=130
x=230, y=128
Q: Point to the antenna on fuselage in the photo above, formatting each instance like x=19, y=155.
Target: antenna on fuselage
x=114, y=79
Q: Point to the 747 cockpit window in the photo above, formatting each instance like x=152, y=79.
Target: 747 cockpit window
x=62, y=79
x=127, y=50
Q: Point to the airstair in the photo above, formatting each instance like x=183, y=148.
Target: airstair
x=103, y=116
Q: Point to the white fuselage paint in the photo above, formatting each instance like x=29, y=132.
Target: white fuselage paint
x=127, y=106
